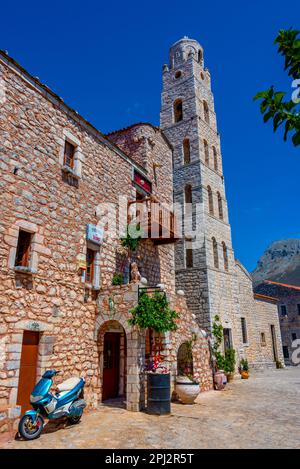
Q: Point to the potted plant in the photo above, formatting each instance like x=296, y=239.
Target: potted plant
x=118, y=278
x=187, y=388
x=244, y=368
x=155, y=313
x=229, y=363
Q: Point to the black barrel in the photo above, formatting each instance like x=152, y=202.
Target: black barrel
x=159, y=394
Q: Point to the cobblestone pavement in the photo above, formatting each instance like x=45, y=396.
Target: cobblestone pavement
x=263, y=412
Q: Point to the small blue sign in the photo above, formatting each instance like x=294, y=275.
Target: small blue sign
x=94, y=234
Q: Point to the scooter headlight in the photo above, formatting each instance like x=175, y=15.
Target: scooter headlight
x=34, y=399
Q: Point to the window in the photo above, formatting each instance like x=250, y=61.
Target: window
x=206, y=152
x=215, y=253
x=283, y=310
x=178, y=74
x=69, y=154
x=227, y=338
x=285, y=351
x=206, y=112
x=90, y=258
x=263, y=339
x=23, y=249
x=189, y=257
x=294, y=336
x=178, y=114
x=298, y=308
x=210, y=200
x=215, y=158
x=186, y=151
x=188, y=194
x=244, y=331
x=225, y=255
x=220, y=206
x=200, y=56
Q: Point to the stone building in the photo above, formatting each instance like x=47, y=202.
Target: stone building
x=65, y=187
x=288, y=302
x=61, y=182
x=206, y=269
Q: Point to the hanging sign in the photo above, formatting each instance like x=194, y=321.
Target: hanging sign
x=95, y=234
x=142, y=182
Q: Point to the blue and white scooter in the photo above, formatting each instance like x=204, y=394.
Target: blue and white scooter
x=66, y=402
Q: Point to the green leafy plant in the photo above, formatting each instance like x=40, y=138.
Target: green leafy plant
x=118, y=278
x=273, y=105
x=244, y=366
x=229, y=360
x=217, y=332
x=132, y=238
x=154, y=312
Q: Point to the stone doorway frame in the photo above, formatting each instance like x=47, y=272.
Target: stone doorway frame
x=135, y=361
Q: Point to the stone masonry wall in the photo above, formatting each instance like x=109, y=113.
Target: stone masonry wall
x=260, y=314
x=36, y=196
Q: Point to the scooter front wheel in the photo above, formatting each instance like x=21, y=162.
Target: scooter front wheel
x=29, y=429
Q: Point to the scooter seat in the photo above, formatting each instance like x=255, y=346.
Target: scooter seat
x=68, y=384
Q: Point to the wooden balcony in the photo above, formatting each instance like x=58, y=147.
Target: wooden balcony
x=158, y=223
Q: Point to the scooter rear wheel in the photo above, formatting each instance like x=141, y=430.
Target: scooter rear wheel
x=28, y=429
x=74, y=419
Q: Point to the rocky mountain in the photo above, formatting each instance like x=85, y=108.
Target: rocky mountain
x=280, y=263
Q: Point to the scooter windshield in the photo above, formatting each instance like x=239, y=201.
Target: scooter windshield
x=42, y=387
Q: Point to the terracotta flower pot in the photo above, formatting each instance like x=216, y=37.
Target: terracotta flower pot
x=245, y=374
x=187, y=390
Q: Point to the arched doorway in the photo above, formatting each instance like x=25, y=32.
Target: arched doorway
x=112, y=354
x=185, y=359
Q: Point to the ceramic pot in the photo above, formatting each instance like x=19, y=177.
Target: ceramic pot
x=187, y=390
x=220, y=380
x=229, y=377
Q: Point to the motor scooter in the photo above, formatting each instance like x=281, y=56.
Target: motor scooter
x=66, y=401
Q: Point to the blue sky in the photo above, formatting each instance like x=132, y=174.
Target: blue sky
x=105, y=60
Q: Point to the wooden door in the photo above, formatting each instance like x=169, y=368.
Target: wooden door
x=28, y=365
x=274, y=343
x=111, y=365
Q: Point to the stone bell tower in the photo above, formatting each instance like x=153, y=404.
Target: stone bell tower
x=204, y=255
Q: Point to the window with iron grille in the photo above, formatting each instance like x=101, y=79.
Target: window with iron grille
x=244, y=331
x=23, y=249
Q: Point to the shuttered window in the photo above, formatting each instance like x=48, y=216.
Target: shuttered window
x=23, y=249
x=69, y=155
x=90, y=258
